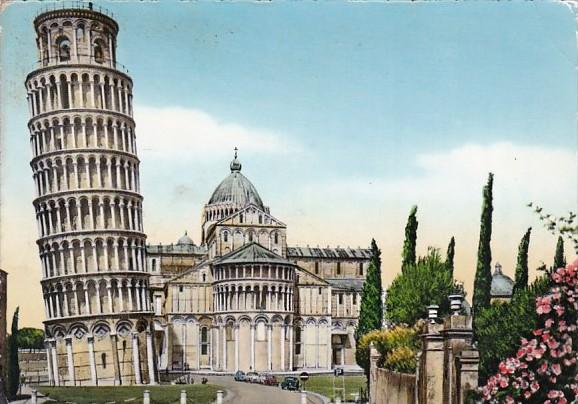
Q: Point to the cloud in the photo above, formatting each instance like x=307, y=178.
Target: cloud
x=455, y=177
x=175, y=132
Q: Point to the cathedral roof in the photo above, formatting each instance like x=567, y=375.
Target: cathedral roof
x=349, y=253
x=355, y=284
x=236, y=190
x=250, y=253
x=502, y=285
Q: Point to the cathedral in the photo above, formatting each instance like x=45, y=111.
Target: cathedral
x=244, y=300
x=119, y=310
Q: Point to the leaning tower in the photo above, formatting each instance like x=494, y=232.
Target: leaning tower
x=88, y=206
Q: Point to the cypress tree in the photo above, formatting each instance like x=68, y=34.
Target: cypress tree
x=559, y=259
x=483, y=280
x=371, y=310
x=450, y=256
x=521, y=281
x=13, y=366
x=408, y=255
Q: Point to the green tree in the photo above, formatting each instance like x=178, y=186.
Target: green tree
x=483, y=280
x=503, y=324
x=424, y=283
x=450, y=256
x=408, y=255
x=30, y=338
x=521, y=281
x=13, y=366
x=559, y=258
x=371, y=310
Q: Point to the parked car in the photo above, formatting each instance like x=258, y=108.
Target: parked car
x=269, y=380
x=240, y=376
x=290, y=383
x=252, y=377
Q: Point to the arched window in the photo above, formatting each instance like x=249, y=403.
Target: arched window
x=226, y=236
x=154, y=269
x=103, y=359
x=63, y=45
x=260, y=219
x=204, y=277
x=316, y=268
x=361, y=268
x=241, y=218
x=339, y=268
x=204, y=341
x=98, y=52
x=80, y=32
x=298, y=340
x=276, y=238
x=250, y=237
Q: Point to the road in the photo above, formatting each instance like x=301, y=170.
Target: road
x=248, y=393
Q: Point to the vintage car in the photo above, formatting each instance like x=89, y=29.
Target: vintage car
x=269, y=380
x=252, y=377
x=290, y=383
x=240, y=376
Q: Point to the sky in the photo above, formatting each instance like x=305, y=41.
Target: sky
x=346, y=114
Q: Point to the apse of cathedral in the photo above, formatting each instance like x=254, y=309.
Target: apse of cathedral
x=243, y=300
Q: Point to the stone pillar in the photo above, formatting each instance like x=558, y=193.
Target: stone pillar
x=224, y=347
x=432, y=366
x=290, y=347
x=146, y=399
x=70, y=360
x=282, y=346
x=49, y=362
x=183, y=399
x=269, y=347
x=115, y=361
x=373, y=359
x=55, y=362
x=135, y=359
x=252, y=357
x=150, y=359
x=236, y=330
x=90, y=341
x=467, y=366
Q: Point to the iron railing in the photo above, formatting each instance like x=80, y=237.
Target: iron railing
x=65, y=5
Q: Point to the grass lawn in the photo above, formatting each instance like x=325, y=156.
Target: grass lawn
x=324, y=385
x=197, y=393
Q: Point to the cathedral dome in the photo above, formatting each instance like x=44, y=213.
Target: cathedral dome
x=236, y=190
x=502, y=285
x=185, y=240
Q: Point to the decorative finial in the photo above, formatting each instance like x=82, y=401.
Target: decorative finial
x=235, y=164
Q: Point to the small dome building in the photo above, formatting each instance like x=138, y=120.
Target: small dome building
x=502, y=285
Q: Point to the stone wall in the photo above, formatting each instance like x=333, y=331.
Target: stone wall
x=393, y=388
x=33, y=366
x=447, y=367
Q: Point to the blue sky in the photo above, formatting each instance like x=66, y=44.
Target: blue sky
x=345, y=113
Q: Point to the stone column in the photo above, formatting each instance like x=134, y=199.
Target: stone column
x=269, y=346
x=252, y=357
x=224, y=348
x=290, y=327
x=115, y=361
x=90, y=340
x=236, y=331
x=282, y=346
x=54, y=362
x=150, y=358
x=135, y=359
x=49, y=362
x=70, y=360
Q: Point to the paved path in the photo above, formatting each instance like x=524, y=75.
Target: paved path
x=248, y=393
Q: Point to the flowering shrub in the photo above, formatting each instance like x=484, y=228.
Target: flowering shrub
x=397, y=346
x=544, y=368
